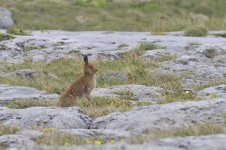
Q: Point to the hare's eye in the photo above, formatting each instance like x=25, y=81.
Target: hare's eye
x=91, y=67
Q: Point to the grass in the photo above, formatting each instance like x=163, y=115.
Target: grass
x=138, y=72
x=211, y=83
x=16, y=31
x=103, y=106
x=197, y=31
x=143, y=47
x=166, y=57
x=224, y=115
x=67, y=139
x=21, y=104
x=95, y=108
x=126, y=95
x=4, y=37
x=195, y=130
x=80, y=15
x=4, y=130
x=123, y=45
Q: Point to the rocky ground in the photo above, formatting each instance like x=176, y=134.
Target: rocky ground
x=200, y=60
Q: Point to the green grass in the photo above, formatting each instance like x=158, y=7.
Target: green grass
x=4, y=130
x=126, y=95
x=123, y=45
x=164, y=58
x=16, y=31
x=21, y=104
x=4, y=37
x=103, y=106
x=95, y=108
x=195, y=130
x=197, y=31
x=58, y=138
x=138, y=72
x=224, y=115
x=211, y=83
x=80, y=15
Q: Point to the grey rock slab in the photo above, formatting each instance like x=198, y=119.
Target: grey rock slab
x=45, y=117
x=140, y=92
x=6, y=20
x=9, y=93
x=50, y=45
x=164, y=117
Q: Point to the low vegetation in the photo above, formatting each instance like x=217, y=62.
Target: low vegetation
x=67, y=139
x=138, y=72
x=80, y=15
x=4, y=37
x=197, y=31
x=195, y=130
x=21, y=104
x=16, y=31
x=8, y=129
x=95, y=108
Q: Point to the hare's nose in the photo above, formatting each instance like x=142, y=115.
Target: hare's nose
x=96, y=69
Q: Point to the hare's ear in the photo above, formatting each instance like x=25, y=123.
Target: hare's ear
x=86, y=60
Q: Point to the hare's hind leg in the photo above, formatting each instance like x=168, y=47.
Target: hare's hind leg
x=68, y=101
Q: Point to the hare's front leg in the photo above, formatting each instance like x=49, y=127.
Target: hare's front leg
x=87, y=94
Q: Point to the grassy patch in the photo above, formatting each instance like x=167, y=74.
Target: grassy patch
x=141, y=50
x=196, y=31
x=21, y=104
x=143, y=103
x=164, y=58
x=16, y=31
x=211, y=83
x=197, y=130
x=80, y=15
x=123, y=45
x=138, y=72
x=4, y=37
x=224, y=115
x=126, y=95
x=95, y=108
x=67, y=139
x=8, y=129
x=102, y=106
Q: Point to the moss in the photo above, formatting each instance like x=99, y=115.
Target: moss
x=197, y=31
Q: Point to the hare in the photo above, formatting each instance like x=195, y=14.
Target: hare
x=80, y=87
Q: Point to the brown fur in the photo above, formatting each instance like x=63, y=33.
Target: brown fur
x=80, y=87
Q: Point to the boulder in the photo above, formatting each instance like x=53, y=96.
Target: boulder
x=6, y=20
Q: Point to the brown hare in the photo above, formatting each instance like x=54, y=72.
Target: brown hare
x=80, y=87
